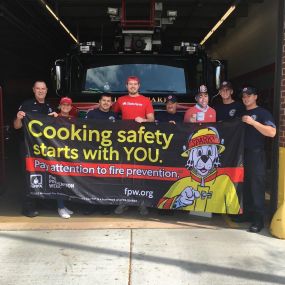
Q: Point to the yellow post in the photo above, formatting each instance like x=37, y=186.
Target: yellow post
x=277, y=227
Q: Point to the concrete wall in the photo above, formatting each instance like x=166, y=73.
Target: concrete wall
x=251, y=44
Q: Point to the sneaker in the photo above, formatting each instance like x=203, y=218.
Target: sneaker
x=63, y=213
x=87, y=209
x=164, y=212
x=68, y=211
x=121, y=209
x=143, y=210
x=105, y=211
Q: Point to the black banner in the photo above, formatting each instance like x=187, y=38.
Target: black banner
x=197, y=167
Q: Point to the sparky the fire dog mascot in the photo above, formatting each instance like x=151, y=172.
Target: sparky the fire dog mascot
x=203, y=190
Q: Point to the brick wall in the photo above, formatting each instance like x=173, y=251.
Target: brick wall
x=282, y=98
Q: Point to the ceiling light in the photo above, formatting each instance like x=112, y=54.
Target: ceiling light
x=113, y=11
x=171, y=13
x=230, y=10
x=60, y=22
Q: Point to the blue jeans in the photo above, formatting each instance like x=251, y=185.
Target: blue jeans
x=60, y=203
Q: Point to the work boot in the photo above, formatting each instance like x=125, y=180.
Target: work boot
x=164, y=212
x=105, y=209
x=121, y=209
x=30, y=212
x=256, y=227
x=29, y=209
x=243, y=218
x=257, y=224
x=88, y=210
x=143, y=210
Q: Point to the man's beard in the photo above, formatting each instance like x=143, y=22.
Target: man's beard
x=134, y=92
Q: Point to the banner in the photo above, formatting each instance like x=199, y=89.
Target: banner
x=197, y=167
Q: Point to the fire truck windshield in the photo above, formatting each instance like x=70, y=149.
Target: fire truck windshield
x=153, y=77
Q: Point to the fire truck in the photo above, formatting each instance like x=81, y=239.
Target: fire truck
x=88, y=70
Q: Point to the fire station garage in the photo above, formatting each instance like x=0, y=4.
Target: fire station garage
x=54, y=40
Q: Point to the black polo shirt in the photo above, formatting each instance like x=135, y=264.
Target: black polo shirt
x=97, y=114
x=33, y=106
x=229, y=111
x=164, y=116
x=253, y=138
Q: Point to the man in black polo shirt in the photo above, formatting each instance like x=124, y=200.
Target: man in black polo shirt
x=171, y=115
x=229, y=108
x=39, y=106
x=259, y=124
x=103, y=111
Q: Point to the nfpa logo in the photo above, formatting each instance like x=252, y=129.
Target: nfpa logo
x=36, y=181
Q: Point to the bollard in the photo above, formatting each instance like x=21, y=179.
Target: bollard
x=277, y=227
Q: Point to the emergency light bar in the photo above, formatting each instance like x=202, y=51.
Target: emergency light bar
x=186, y=47
x=89, y=47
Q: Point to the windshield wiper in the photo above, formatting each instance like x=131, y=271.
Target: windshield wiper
x=118, y=91
x=94, y=90
x=159, y=91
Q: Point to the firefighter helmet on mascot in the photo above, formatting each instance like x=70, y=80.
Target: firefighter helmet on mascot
x=206, y=136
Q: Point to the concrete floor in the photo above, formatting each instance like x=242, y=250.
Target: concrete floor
x=140, y=256
x=133, y=250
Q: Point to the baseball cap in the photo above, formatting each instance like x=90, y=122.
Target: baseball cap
x=226, y=84
x=202, y=89
x=249, y=90
x=65, y=100
x=171, y=98
x=132, y=78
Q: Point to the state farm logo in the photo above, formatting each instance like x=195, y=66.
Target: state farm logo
x=36, y=181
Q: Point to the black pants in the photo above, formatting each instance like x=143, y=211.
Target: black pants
x=254, y=185
x=27, y=201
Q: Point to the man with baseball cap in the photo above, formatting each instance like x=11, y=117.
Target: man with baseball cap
x=201, y=112
x=229, y=108
x=171, y=115
x=134, y=106
x=259, y=124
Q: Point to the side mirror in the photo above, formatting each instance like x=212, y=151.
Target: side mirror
x=218, y=76
x=58, y=77
x=220, y=69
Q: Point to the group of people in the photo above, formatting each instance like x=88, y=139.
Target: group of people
x=258, y=121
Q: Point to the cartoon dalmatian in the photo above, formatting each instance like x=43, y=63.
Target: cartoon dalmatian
x=203, y=190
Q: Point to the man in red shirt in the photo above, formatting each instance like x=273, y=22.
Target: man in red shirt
x=201, y=112
x=134, y=107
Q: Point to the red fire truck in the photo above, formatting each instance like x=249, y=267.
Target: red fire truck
x=89, y=70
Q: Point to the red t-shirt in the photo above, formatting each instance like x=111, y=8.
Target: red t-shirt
x=132, y=107
x=207, y=115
